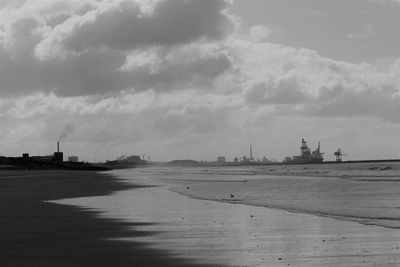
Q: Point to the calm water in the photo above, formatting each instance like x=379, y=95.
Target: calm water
x=236, y=229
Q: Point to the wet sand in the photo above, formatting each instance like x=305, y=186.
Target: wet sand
x=37, y=232
x=364, y=201
x=363, y=192
x=218, y=229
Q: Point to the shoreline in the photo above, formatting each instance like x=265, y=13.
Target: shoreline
x=361, y=220
x=368, y=221
x=37, y=232
x=279, y=163
x=215, y=232
x=367, y=196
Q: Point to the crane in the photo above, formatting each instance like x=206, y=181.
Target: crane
x=338, y=154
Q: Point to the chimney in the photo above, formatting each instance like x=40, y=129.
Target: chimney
x=58, y=146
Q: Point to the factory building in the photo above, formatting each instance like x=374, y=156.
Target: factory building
x=135, y=159
x=221, y=159
x=73, y=159
x=57, y=157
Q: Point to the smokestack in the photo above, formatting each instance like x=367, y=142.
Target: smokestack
x=58, y=146
x=251, y=152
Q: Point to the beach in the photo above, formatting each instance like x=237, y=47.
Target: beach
x=320, y=215
x=34, y=231
x=199, y=133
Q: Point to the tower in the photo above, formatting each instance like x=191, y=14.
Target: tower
x=305, y=150
x=58, y=156
x=251, y=152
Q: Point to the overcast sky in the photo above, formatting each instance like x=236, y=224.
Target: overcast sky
x=178, y=79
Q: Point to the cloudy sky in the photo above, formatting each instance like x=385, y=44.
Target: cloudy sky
x=179, y=79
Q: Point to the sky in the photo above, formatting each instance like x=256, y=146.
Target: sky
x=191, y=79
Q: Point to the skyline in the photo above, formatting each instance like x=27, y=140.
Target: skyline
x=200, y=79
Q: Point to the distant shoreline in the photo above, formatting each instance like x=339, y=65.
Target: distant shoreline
x=347, y=161
x=231, y=164
x=20, y=163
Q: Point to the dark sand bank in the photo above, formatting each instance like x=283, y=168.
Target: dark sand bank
x=34, y=232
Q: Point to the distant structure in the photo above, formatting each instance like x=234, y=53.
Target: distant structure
x=221, y=159
x=251, y=153
x=183, y=163
x=73, y=159
x=58, y=156
x=306, y=155
x=126, y=162
x=47, y=159
x=135, y=159
x=338, y=154
x=265, y=160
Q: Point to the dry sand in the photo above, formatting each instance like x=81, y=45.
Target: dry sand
x=36, y=232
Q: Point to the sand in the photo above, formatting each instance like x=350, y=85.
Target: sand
x=368, y=202
x=212, y=227
x=37, y=232
x=363, y=192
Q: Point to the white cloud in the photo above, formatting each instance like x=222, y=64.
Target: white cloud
x=259, y=33
x=299, y=81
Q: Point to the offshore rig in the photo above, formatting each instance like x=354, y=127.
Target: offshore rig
x=307, y=156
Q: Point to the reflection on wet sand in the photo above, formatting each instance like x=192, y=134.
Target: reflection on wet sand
x=237, y=234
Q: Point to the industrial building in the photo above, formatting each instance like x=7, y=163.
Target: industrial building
x=221, y=159
x=57, y=157
x=135, y=159
x=126, y=162
x=73, y=159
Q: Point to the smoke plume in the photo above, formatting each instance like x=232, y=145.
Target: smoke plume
x=68, y=130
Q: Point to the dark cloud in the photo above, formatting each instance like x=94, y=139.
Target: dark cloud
x=90, y=73
x=125, y=27
x=286, y=90
x=383, y=103
x=179, y=74
x=82, y=51
x=99, y=72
